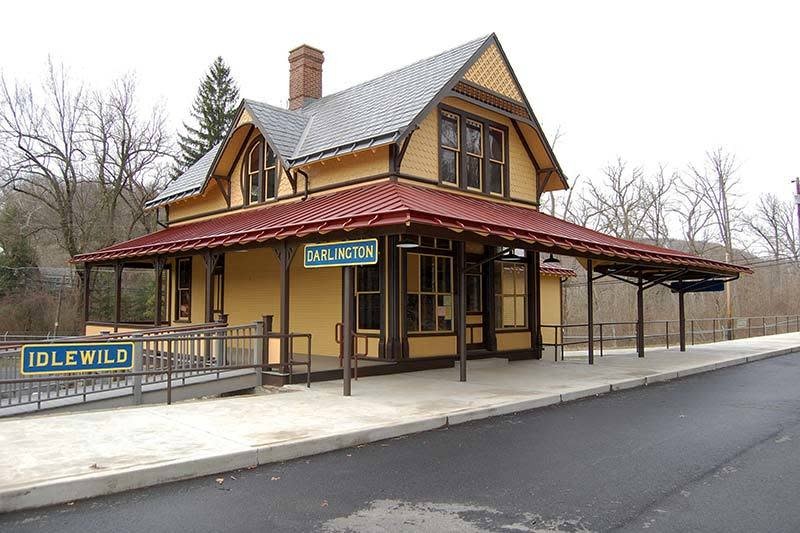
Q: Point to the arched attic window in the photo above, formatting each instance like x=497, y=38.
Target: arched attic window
x=261, y=173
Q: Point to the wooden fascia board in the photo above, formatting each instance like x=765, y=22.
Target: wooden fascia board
x=445, y=89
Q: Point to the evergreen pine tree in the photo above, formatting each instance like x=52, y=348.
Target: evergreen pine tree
x=213, y=111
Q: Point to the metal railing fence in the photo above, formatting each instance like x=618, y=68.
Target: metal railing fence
x=169, y=356
x=611, y=335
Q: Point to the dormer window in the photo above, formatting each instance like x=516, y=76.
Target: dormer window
x=473, y=152
x=261, y=175
x=450, y=147
x=474, y=148
x=497, y=160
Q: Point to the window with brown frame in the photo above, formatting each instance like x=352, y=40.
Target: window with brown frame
x=183, y=289
x=511, y=294
x=449, y=147
x=474, y=288
x=431, y=242
x=261, y=182
x=497, y=161
x=429, y=293
x=473, y=146
x=368, y=298
x=473, y=152
x=218, y=286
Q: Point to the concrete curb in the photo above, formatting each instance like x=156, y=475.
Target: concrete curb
x=658, y=378
x=481, y=413
x=584, y=393
x=286, y=451
x=628, y=384
x=102, y=483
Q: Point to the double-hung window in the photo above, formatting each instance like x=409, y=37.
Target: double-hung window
x=511, y=294
x=429, y=299
x=474, y=288
x=449, y=147
x=474, y=158
x=497, y=161
x=183, y=287
x=218, y=286
x=368, y=298
x=472, y=152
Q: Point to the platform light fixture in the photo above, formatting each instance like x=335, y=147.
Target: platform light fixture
x=551, y=260
x=407, y=243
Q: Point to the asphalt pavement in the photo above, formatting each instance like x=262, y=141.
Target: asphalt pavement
x=718, y=451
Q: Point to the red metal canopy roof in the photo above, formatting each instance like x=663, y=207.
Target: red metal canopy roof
x=557, y=271
x=392, y=203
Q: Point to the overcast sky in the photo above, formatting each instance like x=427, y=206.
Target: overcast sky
x=650, y=82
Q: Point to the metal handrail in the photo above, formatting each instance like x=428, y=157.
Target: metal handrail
x=697, y=330
x=158, y=358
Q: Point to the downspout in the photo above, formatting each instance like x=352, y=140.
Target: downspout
x=305, y=176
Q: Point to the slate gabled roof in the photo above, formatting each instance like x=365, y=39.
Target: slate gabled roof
x=284, y=127
x=188, y=183
x=369, y=114
x=382, y=107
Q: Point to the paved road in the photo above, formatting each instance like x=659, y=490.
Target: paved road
x=713, y=452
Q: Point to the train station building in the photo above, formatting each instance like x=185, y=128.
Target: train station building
x=397, y=220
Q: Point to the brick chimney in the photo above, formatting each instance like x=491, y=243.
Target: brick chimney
x=305, y=75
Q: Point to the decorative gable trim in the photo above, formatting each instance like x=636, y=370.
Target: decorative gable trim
x=244, y=117
x=492, y=71
x=492, y=99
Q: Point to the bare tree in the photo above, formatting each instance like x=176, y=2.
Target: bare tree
x=86, y=159
x=657, y=204
x=693, y=217
x=617, y=203
x=718, y=182
x=772, y=223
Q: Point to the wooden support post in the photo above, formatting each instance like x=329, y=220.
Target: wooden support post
x=590, y=310
x=117, y=295
x=461, y=310
x=537, y=302
x=87, y=292
x=347, y=322
x=393, y=343
x=285, y=255
x=640, y=318
x=158, y=269
x=489, y=310
x=211, y=260
x=682, y=320
x=535, y=305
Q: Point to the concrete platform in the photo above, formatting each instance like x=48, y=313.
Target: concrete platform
x=63, y=457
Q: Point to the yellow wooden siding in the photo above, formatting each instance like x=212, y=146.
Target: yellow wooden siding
x=551, y=306
x=252, y=286
x=474, y=334
x=513, y=340
x=491, y=71
x=422, y=154
x=198, y=289
x=211, y=200
x=431, y=346
x=316, y=304
x=346, y=167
